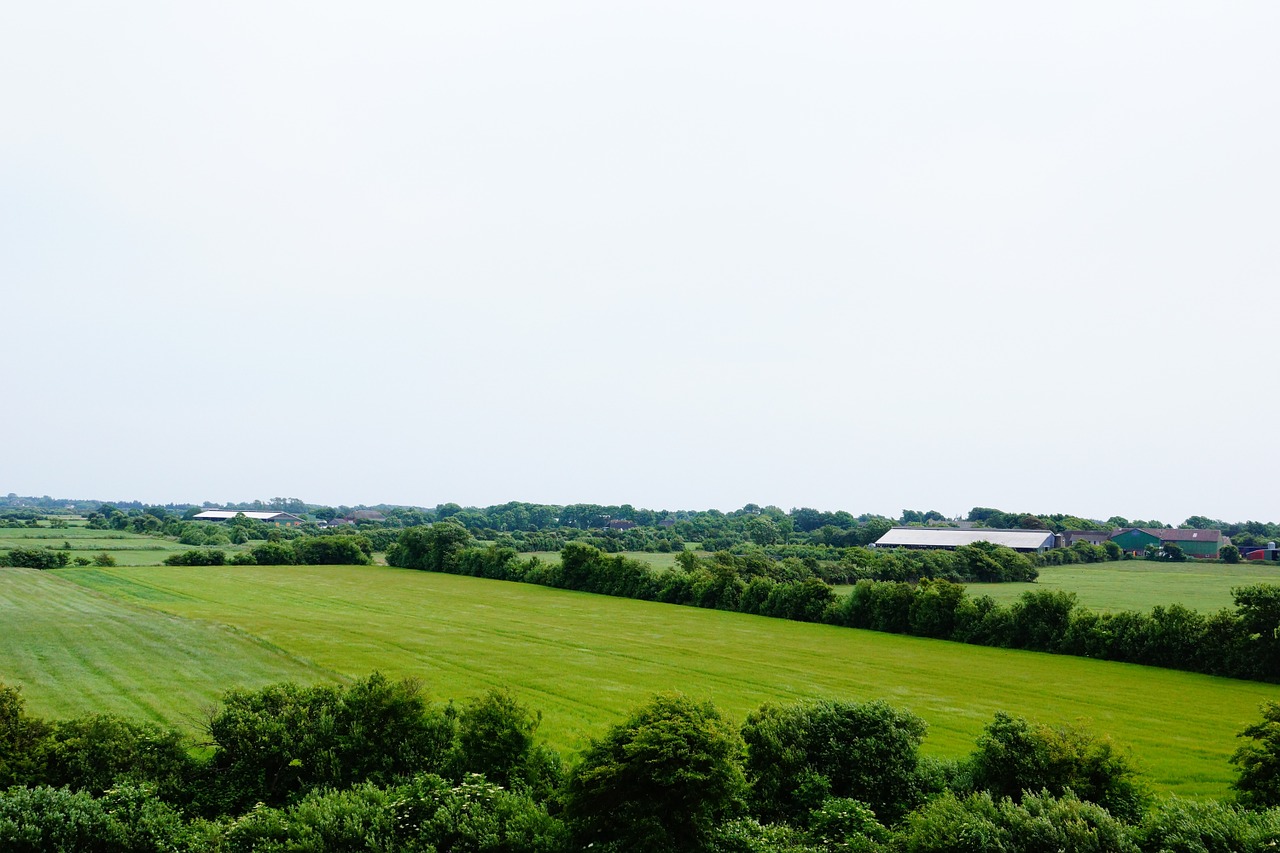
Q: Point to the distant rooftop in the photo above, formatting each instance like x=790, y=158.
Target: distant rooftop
x=228, y=514
x=949, y=537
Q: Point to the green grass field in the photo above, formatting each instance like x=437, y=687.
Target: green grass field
x=128, y=549
x=164, y=642
x=1141, y=585
x=1136, y=584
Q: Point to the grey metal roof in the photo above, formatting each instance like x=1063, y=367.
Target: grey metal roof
x=226, y=514
x=941, y=537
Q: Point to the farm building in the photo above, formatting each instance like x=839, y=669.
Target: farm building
x=1027, y=541
x=1093, y=537
x=365, y=515
x=1194, y=543
x=228, y=514
x=1268, y=552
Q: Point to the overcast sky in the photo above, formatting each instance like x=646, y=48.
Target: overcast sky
x=679, y=255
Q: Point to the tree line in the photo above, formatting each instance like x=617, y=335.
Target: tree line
x=1238, y=642
x=377, y=766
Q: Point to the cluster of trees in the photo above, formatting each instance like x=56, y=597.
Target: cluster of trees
x=376, y=766
x=323, y=550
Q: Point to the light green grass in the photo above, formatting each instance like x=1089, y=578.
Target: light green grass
x=582, y=660
x=1141, y=585
x=128, y=549
x=1136, y=584
x=74, y=651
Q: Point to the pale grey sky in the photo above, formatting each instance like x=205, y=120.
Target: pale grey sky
x=859, y=256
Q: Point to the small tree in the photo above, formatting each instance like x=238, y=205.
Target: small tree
x=1229, y=554
x=1259, y=760
x=1015, y=757
x=660, y=781
x=104, y=559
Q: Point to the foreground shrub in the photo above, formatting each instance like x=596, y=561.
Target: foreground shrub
x=276, y=744
x=747, y=835
x=1015, y=756
x=129, y=819
x=1184, y=826
x=798, y=755
x=1259, y=760
x=496, y=740
x=659, y=781
x=93, y=752
x=1039, y=824
x=475, y=815
x=360, y=818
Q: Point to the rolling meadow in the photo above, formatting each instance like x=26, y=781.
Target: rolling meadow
x=162, y=643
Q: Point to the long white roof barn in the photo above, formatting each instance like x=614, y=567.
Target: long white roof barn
x=950, y=537
x=228, y=514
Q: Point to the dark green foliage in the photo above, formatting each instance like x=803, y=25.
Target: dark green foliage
x=432, y=547
x=1186, y=826
x=197, y=558
x=842, y=825
x=1041, y=619
x=274, y=745
x=357, y=819
x=748, y=835
x=104, y=559
x=798, y=755
x=658, y=781
x=273, y=554
x=1258, y=759
x=1229, y=554
x=128, y=819
x=496, y=740
x=1259, y=609
x=20, y=734
x=92, y=753
x=1015, y=756
x=933, y=608
x=54, y=820
x=1039, y=824
x=35, y=558
x=475, y=815
x=333, y=551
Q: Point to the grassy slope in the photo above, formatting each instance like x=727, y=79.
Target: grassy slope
x=582, y=660
x=76, y=651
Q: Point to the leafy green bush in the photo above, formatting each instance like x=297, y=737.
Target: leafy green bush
x=1185, y=826
x=1015, y=756
x=197, y=558
x=35, y=558
x=276, y=744
x=798, y=755
x=1039, y=824
x=660, y=780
